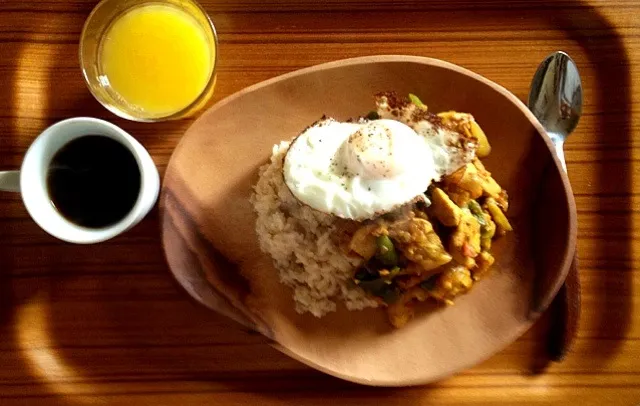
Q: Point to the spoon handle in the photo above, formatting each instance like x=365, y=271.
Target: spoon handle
x=10, y=181
x=565, y=308
x=558, y=143
x=565, y=315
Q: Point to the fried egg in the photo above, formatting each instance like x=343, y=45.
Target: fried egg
x=358, y=170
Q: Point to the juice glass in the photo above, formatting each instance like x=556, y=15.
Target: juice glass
x=149, y=60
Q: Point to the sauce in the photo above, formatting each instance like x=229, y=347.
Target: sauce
x=157, y=59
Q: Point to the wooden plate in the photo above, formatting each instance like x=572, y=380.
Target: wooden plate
x=211, y=246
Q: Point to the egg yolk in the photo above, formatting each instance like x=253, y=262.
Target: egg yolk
x=381, y=149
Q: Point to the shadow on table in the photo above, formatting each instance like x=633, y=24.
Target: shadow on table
x=10, y=55
x=26, y=251
x=38, y=93
x=611, y=63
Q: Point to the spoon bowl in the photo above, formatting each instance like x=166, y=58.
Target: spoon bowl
x=555, y=98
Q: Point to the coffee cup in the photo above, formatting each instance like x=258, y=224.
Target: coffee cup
x=57, y=188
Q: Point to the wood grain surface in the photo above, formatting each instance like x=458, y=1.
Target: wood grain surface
x=105, y=324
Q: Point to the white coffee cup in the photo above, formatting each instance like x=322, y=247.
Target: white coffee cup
x=31, y=180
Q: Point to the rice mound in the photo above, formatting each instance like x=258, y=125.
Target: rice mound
x=301, y=242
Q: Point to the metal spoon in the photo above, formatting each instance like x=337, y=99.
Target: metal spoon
x=555, y=99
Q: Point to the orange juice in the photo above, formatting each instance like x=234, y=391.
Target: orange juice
x=157, y=59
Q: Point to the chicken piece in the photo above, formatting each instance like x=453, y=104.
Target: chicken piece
x=419, y=243
x=363, y=241
x=465, y=123
x=489, y=185
x=503, y=200
x=484, y=148
x=444, y=209
x=413, y=275
x=467, y=179
x=401, y=311
x=457, y=195
x=454, y=281
x=465, y=240
x=483, y=264
x=413, y=268
x=502, y=223
x=408, y=281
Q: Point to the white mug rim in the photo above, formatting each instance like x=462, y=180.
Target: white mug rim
x=69, y=231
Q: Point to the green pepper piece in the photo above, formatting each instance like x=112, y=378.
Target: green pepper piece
x=386, y=254
x=474, y=207
x=374, y=287
x=390, y=294
x=395, y=271
x=476, y=210
x=415, y=100
x=430, y=283
x=372, y=115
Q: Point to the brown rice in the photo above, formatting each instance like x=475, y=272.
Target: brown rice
x=302, y=243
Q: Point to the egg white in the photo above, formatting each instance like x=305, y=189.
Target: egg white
x=359, y=170
x=450, y=149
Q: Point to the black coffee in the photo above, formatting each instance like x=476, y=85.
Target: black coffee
x=93, y=181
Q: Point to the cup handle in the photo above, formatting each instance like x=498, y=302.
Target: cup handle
x=10, y=181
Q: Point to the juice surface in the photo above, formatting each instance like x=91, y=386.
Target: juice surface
x=157, y=58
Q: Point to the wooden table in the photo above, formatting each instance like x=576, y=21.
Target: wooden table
x=106, y=324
